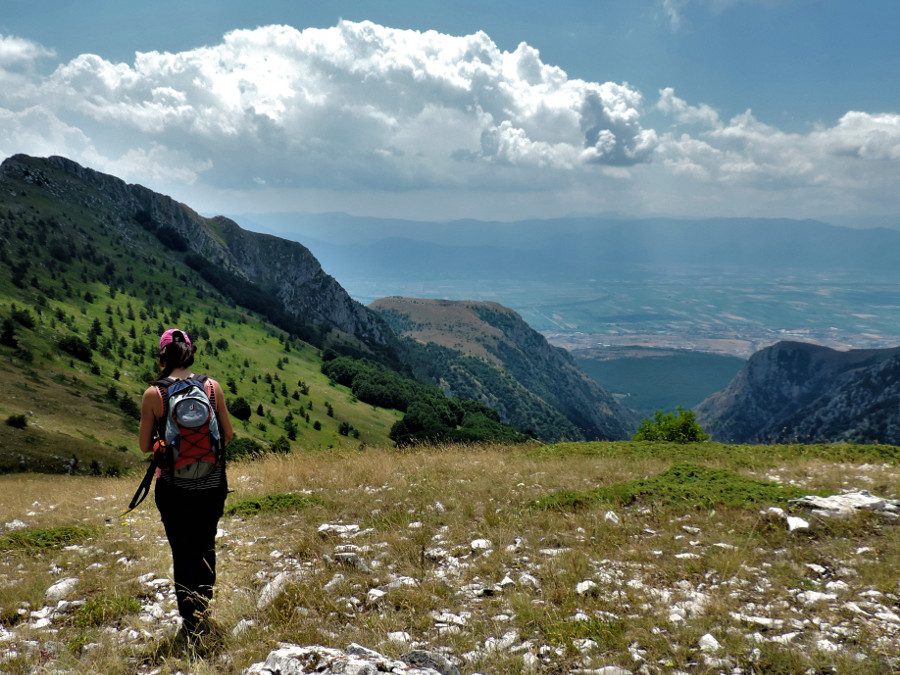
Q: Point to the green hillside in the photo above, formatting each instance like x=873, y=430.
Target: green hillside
x=649, y=379
x=84, y=294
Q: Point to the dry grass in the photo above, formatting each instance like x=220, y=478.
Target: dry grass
x=452, y=496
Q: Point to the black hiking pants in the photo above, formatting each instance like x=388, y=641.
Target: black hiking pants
x=191, y=518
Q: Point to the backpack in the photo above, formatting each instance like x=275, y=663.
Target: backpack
x=189, y=428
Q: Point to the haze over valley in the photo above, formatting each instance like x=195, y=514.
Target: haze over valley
x=726, y=286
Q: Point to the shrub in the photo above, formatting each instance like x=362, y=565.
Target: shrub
x=240, y=409
x=282, y=444
x=243, y=447
x=41, y=538
x=75, y=346
x=17, y=421
x=677, y=427
x=284, y=501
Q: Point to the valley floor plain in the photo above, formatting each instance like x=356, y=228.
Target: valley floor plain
x=552, y=558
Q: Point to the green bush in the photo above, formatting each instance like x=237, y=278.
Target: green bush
x=683, y=485
x=243, y=447
x=284, y=501
x=676, y=427
x=17, y=421
x=75, y=346
x=41, y=538
x=240, y=409
x=282, y=445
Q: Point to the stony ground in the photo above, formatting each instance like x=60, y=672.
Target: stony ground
x=474, y=554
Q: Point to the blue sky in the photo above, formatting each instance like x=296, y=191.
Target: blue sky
x=549, y=147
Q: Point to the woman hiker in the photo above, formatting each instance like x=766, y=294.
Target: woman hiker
x=185, y=421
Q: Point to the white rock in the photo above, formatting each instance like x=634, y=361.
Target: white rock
x=291, y=659
x=399, y=636
x=824, y=645
x=764, y=622
x=811, y=597
x=526, y=579
x=585, y=587
x=795, y=523
x=374, y=596
x=336, y=581
x=506, y=582
x=887, y=615
x=709, y=644
x=481, y=545
x=864, y=549
x=504, y=643
x=846, y=503
x=334, y=528
x=856, y=609
x=690, y=529
x=61, y=589
x=242, y=626
x=16, y=525
x=417, y=525
x=785, y=639
x=837, y=586
x=273, y=589
x=818, y=569
x=584, y=645
x=401, y=582
x=725, y=547
x=686, y=556
x=530, y=662
x=611, y=517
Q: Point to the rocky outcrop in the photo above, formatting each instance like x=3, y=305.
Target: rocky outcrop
x=284, y=269
x=799, y=392
x=485, y=351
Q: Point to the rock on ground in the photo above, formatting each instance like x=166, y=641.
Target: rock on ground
x=290, y=659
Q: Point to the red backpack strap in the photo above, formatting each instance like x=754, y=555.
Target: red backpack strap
x=209, y=388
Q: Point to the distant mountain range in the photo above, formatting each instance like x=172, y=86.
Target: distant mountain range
x=799, y=392
x=589, y=247
x=485, y=351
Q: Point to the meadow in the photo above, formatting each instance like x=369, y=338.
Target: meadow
x=540, y=558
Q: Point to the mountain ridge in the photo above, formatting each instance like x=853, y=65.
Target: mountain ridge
x=797, y=391
x=286, y=268
x=474, y=342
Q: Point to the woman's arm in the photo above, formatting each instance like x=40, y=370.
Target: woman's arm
x=225, y=427
x=151, y=410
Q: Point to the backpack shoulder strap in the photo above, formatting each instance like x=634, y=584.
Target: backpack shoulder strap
x=210, y=390
x=162, y=388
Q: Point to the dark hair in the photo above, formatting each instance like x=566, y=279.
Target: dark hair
x=176, y=354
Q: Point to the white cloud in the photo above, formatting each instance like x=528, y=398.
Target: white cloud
x=357, y=103
x=15, y=51
x=362, y=109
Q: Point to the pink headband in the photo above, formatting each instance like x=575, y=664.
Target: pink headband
x=168, y=338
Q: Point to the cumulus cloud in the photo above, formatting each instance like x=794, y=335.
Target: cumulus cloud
x=17, y=51
x=367, y=109
x=357, y=104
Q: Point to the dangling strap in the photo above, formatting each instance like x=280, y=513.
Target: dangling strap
x=144, y=488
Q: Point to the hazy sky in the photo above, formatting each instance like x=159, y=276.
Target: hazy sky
x=437, y=110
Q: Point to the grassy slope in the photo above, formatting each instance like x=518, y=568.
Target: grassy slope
x=71, y=413
x=456, y=495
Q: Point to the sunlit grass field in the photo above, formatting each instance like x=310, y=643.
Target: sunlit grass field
x=666, y=566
